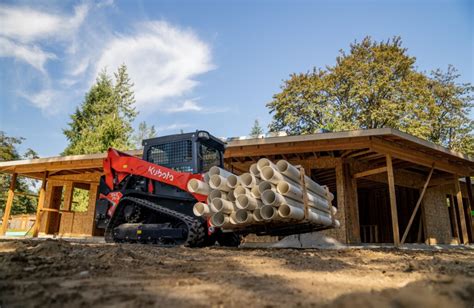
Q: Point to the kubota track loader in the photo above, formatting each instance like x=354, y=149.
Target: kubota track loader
x=146, y=200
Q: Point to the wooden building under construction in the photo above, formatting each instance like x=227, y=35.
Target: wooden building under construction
x=389, y=187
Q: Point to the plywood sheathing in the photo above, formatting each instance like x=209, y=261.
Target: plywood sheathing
x=436, y=215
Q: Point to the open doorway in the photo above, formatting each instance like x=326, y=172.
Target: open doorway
x=375, y=216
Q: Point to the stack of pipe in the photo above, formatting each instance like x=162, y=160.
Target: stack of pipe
x=267, y=193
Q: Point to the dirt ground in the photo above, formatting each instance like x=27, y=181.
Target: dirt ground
x=53, y=273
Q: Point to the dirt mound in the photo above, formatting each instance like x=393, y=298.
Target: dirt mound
x=51, y=247
x=428, y=293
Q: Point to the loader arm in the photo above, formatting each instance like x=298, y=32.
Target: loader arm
x=117, y=165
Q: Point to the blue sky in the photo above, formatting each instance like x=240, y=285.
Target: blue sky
x=198, y=64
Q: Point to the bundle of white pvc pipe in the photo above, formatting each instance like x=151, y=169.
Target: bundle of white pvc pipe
x=269, y=192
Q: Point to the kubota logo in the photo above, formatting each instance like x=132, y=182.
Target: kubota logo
x=157, y=172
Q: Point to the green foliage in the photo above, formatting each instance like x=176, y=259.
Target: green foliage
x=80, y=200
x=104, y=118
x=451, y=125
x=376, y=85
x=256, y=129
x=8, y=151
x=144, y=132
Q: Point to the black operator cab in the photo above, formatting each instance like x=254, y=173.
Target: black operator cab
x=190, y=152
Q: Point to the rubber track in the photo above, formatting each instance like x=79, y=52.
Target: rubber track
x=196, y=229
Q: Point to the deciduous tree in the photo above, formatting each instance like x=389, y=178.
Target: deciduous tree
x=374, y=85
x=8, y=151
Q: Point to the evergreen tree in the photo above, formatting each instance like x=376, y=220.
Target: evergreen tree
x=104, y=118
x=256, y=129
x=144, y=132
x=376, y=85
x=22, y=204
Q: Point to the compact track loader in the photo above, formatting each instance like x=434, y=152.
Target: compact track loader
x=146, y=200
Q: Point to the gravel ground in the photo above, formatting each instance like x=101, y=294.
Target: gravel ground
x=55, y=273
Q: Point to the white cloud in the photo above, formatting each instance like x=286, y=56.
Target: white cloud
x=187, y=105
x=80, y=68
x=28, y=25
x=30, y=54
x=163, y=62
x=22, y=29
x=44, y=100
x=105, y=3
x=174, y=126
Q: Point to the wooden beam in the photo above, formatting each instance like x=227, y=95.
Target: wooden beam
x=470, y=207
x=369, y=172
x=297, y=147
x=55, y=166
x=21, y=193
x=311, y=162
x=82, y=177
x=39, y=209
x=462, y=222
x=393, y=200
x=359, y=153
x=372, y=156
x=441, y=180
x=416, y=157
x=8, y=205
x=418, y=203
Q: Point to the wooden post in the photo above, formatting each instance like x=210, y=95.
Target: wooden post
x=352, y=205
x=8, y=206
x=470, y=206
x=68, y=190
x=462, y=220
x=418, y=203
x=39, y=209
x=454, y=220
x=393, y=200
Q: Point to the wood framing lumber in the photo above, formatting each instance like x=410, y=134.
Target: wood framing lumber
x=83, y=177
x=369, y=172
x=462, y=220
x=454, y=220
x=418, y=203
x=68, y=191
x=470, y=206
x=8, y=206
x=393, y=200
x=416, y=157
x=293, y=147
x=39, y=210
